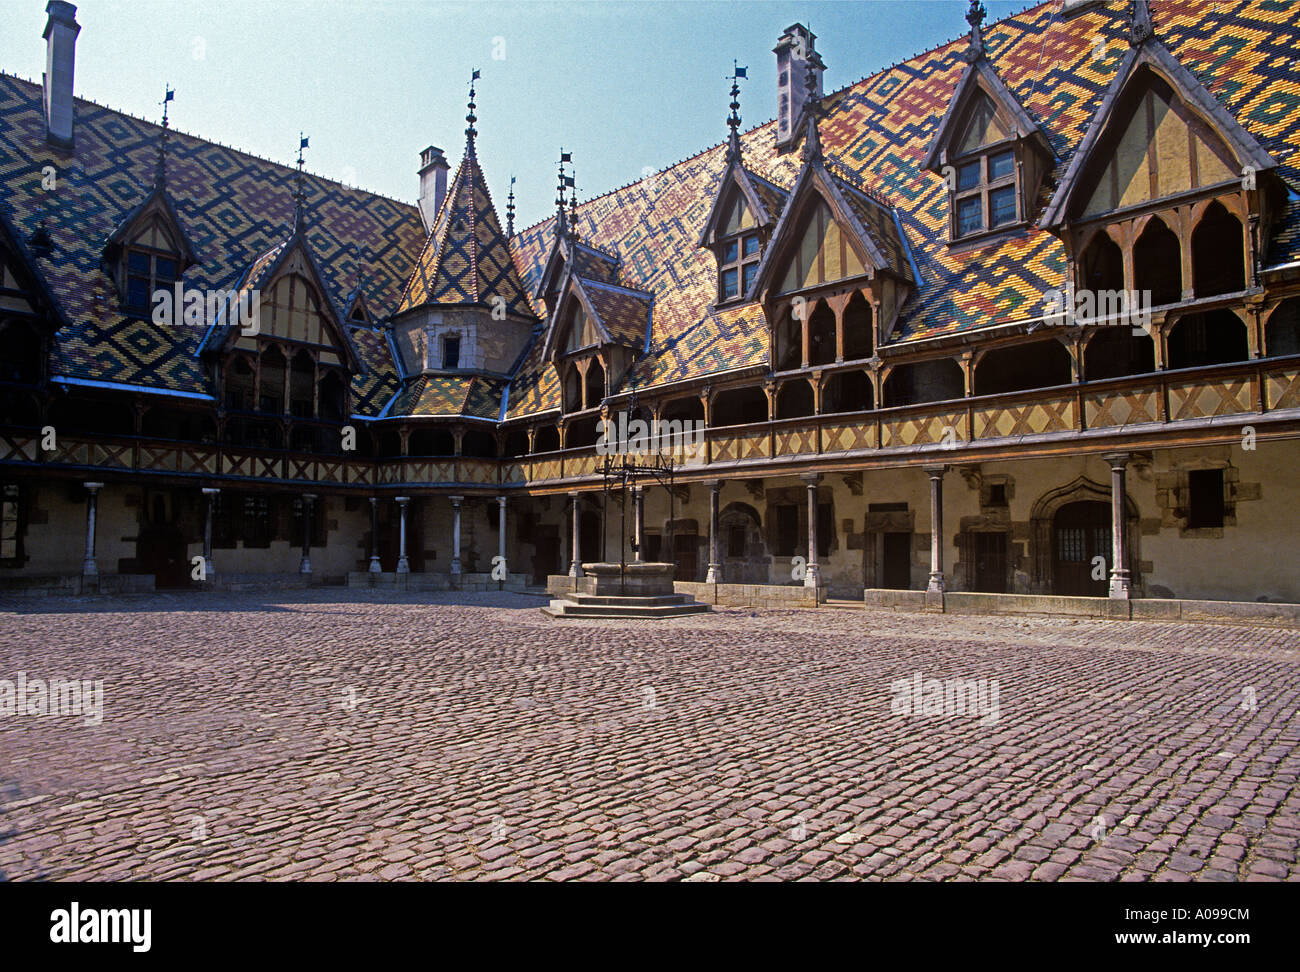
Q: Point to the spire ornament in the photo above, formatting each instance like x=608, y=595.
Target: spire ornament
x=300, y=192
x=975, y=17
x=733, y=120
x=1140, y=28
x=470, y=117
x=561, y=221
x=160, y=168
x=510, y=211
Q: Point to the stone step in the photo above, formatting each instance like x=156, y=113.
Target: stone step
x=562, y=608
x=629, y=600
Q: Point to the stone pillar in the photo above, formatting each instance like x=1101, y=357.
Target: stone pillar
x=403, y=565
x=375, y=567
x=209, y=569
x=812, y=575
x=455, y=535
x=936, y=585
x=1121, y=584
x=88, y=566
x=308, y=505
x=714, y=575
x=575, y=565
x=638, y=524
x=501, y=532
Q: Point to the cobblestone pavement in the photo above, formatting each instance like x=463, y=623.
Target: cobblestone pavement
x=336, y=735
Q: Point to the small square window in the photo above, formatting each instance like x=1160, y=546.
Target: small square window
x=729, y=252
x=1002, y=164
x=751, y=245
x=998, y=494
x=751, y=273
x=137, y=292
x=165, y=269
x=969, y=217
x=1002, y=206
x=729, y=287
x=137, y=262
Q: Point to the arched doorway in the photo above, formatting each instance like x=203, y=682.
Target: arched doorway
x=1080, y=535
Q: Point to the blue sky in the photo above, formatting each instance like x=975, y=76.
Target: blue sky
x=628, y=87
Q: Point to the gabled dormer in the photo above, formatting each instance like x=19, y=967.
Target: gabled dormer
x=744, y=213
x=837, y=271
x=1166, y=195
x=990, y=153
x=148, y=252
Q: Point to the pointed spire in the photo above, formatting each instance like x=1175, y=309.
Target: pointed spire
x=299, y=193
x=510, y=211
x=812, y=145
x=975, y=17
x=1140, y=28
x=160, y=168
x=470, y=117
x=733, y=120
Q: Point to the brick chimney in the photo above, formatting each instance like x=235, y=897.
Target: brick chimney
x=794, y=52
x=60, y=54
x=433, y=184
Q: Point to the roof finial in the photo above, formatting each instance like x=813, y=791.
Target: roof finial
x=573, y=204
x=733, y=120
x=510, y=211
x=470, y=117
x=160, y=169
x=975, y=17
x=1140, y=29
x=812, y=146
x=300, y=193
x=561, y=221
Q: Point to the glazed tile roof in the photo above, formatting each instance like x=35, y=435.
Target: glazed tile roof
x=449, y=395
x=233, y=207
x=625, y=314
x=466, y=258
x=880, y=129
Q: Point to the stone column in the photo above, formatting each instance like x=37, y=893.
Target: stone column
x=209, y=569
x=501, y=532
x=936, y=585
x=88, y=566
x=812, y=575
x=714, y=575
x=575, y=565
x=638, y=523
x=1121, y=584
x=455, y=536
x=403, y=565
x=308, y=505
x=375, y=567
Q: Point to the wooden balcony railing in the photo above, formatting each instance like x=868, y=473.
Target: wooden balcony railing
x=1153, y=403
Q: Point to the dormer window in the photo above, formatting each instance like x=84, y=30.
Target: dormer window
x=451, y=351
x=150, y=264
x=986, y=196
x=985, y=181
x=738, y=250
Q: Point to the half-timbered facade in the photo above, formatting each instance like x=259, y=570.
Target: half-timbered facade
x=1020, y=315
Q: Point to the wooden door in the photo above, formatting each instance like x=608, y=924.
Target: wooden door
x=990, y=569
x=686, y=550
x=1081, y=534
x=897, y=567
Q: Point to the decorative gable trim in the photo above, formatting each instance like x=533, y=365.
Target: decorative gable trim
x=1153, y=55
x=979, y=77
x=735, y=175
x=156, y=203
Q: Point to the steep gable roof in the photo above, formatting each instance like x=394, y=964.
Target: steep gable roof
x=979, y=77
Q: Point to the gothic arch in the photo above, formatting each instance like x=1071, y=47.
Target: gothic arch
x=1081, y=489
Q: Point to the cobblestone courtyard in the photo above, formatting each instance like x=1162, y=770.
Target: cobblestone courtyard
x=335, y=735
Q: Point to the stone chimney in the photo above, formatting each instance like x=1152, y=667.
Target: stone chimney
x=60, y=54
x=433, y=184
x=794, y=52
